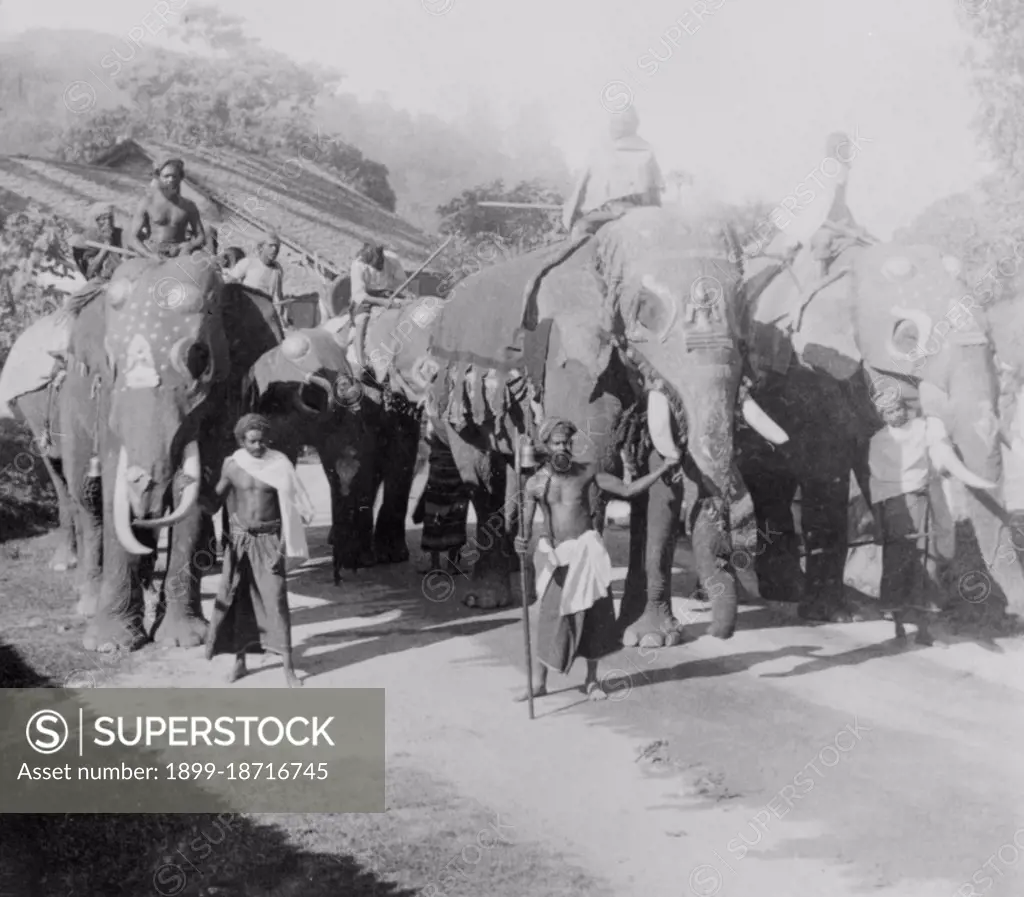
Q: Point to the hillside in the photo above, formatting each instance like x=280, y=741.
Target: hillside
x=64, y=94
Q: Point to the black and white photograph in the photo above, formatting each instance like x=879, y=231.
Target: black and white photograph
x=596, y=429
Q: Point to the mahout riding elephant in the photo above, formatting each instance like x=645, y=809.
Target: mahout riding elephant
x=383, y=452
x=307, y=388
x=154, y=385
x=649, y=306
x=894, y=321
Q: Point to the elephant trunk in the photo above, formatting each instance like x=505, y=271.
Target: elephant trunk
x=973, y=394
x=710, y=401
x=123, y=523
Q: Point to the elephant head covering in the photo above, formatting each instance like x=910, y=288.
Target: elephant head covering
x=174, y=163
x=552, y=425
x=251, y=422
x=624, y=123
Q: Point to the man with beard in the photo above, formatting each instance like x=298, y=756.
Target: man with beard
x=95, y=263
x=575, y=617
x=164, y=218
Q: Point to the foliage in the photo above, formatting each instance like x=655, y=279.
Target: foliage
x=231, y=92
x=483, y=236
x=995, y=61
x=29, y=240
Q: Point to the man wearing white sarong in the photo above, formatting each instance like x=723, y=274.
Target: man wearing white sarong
x=576, y=617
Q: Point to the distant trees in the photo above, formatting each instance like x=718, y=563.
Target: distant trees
x=27, y=238
x=234, y=93
x=484, y=235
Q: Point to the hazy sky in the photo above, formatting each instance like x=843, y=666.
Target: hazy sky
x=743, y=95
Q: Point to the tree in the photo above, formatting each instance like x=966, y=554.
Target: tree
x=28, y=239
x=234, y=93
x=524, y=229
x=484, y=236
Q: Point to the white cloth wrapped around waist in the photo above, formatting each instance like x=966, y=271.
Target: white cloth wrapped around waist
x=589, y=575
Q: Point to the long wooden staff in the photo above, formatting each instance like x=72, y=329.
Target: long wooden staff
x=412, y=276
x=520, y=502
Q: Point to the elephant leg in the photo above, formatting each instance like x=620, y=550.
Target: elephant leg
x=65, y=555
x=487, y=585
x=779, y=577
x=655, y=626
x=117, y=624
x=85, y=499
x=402, y=447
x=183, y=624
x=351, y=451
x=89, y=524
x=823, y=521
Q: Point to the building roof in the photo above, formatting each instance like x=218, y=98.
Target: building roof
x=243, y=196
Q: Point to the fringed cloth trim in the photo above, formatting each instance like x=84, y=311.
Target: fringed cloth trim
x=466, y=394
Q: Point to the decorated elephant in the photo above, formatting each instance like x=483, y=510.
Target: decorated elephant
x=308, y=390
x=890, y=320
x=383, y=452
x=154, y=384
x=649, y=305
x=29, y=388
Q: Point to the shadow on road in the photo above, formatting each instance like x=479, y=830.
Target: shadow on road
x=166, y=854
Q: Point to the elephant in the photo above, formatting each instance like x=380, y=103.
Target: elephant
x=649, y=306
x=383, y=451
x=890, y=320
x=154, y=381
x=29, y=388
x=307, y=388
x=36, y=409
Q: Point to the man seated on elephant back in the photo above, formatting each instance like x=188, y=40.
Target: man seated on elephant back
x=622, y=174
x=374, y=277
x=164, y=218
x=96, y=263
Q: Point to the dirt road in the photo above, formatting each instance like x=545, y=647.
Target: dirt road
x=791, y=759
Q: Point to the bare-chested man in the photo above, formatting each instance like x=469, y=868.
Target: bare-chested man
x=576, y=617
x=269, y=509
x=164, y=218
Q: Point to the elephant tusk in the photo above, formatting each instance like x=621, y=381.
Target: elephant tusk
x=659, y=424
x=759, y=420
x=945, y=458
x=122, y=512
x=324, y=384
x=190, y=468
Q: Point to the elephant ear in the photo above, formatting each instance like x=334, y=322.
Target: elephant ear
x=786, y=319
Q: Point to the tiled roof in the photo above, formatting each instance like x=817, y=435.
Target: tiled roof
x=242, y=195
x=300, y=200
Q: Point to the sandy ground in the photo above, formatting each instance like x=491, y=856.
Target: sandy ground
x=821, y=759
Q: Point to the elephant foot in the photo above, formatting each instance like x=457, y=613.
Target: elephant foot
x=180, y=631
x=657, y=628
x=111, y=634
x=820, y=613
x=391, y=554
x=486, y=600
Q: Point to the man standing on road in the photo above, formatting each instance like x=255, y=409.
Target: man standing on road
x=164, y=218
x=269, y=510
